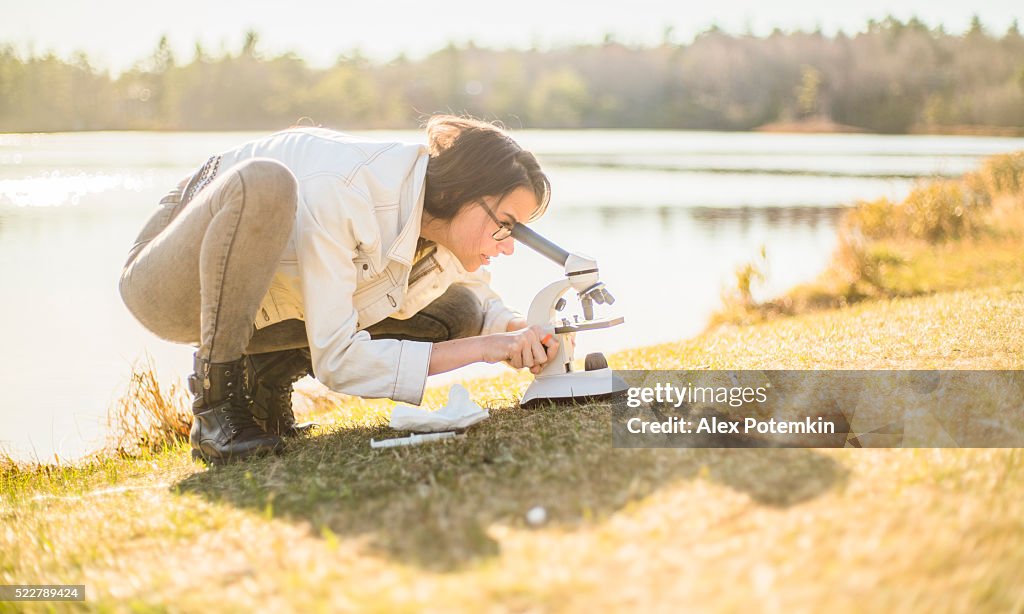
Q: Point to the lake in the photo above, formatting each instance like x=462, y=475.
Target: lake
x=668, y=215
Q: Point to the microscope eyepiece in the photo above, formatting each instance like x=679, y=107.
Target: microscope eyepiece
x=539, y=244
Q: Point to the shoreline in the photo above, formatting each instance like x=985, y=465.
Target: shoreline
x=779, y=127
x=824, y=126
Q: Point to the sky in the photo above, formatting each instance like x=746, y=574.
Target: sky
x=117, y=33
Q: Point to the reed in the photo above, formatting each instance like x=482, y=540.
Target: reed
x=150, y=417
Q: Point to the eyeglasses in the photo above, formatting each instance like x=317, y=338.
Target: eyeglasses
x=504, y=230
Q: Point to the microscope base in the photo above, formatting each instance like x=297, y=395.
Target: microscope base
x=575, y=386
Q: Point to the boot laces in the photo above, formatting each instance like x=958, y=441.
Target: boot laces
x=281, y=393
x=239, y=414
x=275, y=392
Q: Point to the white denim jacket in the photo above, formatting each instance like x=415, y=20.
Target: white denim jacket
x=347, y=263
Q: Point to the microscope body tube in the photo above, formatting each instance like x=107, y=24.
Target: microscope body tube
x=539, y=244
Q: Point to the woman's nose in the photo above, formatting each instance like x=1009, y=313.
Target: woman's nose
x=507, y=246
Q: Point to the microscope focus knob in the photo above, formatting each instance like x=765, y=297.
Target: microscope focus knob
x=560, y=304
x=595, y=361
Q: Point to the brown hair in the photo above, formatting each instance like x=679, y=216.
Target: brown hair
x=470, y=159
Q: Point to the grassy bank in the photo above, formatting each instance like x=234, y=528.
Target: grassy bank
x=333, y=525
x=946, y=235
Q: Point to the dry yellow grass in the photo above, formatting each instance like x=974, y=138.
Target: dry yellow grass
x=150, y=417
x=945, y=235
x=333, y=525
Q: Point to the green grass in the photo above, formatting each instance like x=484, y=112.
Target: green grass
x=333, y=524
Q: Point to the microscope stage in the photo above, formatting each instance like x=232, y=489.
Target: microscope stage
x=589, y=325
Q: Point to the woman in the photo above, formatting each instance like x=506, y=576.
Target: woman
x=312, y=251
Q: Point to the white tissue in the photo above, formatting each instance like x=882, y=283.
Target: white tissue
x=459, y=413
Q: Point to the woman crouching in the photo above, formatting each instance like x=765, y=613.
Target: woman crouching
x=315, y=252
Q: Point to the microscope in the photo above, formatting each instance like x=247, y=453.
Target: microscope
x=558, y=382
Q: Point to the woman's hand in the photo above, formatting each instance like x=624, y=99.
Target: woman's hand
x=521, y=323
x=522, y=348
x=516, y=324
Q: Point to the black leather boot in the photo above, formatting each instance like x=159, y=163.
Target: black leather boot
x=223, y=428
x=273, y=375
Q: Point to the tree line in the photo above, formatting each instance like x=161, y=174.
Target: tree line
x=892, y=77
